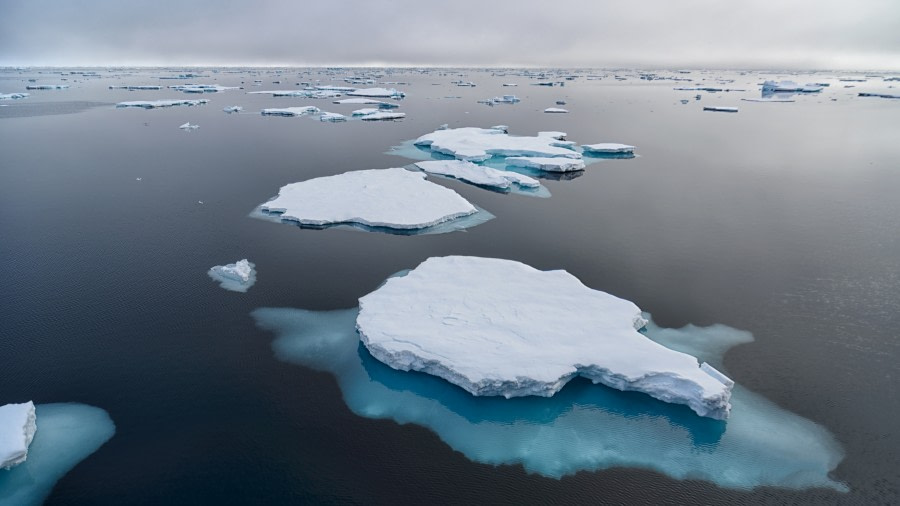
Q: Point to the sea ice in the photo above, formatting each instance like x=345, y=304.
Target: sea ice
x=237, y=277
x=494, y=327
x=879, y=95
x=773, y=99
x=377, y=93
x=65, y=435
x=17, y=428
x=477, y=174
x=153, y=104
x=379, y=198
x=581, y=428
x=137, y=87
x=188, y=126
x=368, y=101
x=773, y=86
x=13, y=96
x=233, y=108
x=202, y=88
x=365, y=111
x=46, y=86
x=607, y=148
x=556, y=110
x=717, y=108
x=332, y=116
x=291, y=111
x=556, y=164
x=383, y=116
x=479, y=144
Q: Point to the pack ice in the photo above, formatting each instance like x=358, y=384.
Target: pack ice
x=153, y=104
x=500, y=327
x=17, y=428
x=390, y=198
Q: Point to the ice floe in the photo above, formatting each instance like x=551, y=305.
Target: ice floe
x=237, y=277
x=233, y=109
x=137, y=87
x=46, y=86
x=495, y=327
x=65, y=435
x=556, y=110
x=389, y=199
x=776, y=86
x=298, y=93
x=17, y=427
x=332, y=116
x=556, y=164
x=609, y=150
x=479, y=144
x=153, y=104
x=383, y=116
x=364, y=111
x=879, y=95
x=202, y=88
x=368, y=101
x=477, y=174
x=717, y=108
x=13, y=96
x=376, y=93
x=291, y=111
x=189, y=126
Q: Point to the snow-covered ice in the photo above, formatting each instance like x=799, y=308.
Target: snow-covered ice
x=46, y=86
x=556, y=110
x=332, y=116
x=189, y=126
x=153, y=104
x=13, y=96
x=606, y=148
x=478, y=144
x=477, y=174
x=377, y=93
x=378, y=198
x=383, y=116
x=365, y=111
x=17, y=427
x=717, y=108
x=291, y=111
x=237, y=277
x=773, y=86
x=368, y=101
x=233, y=108
x=65, y=435
x=500, y=327
x=556, y=164
x=202, y=88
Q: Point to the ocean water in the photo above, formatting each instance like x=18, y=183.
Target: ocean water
x=779, y=220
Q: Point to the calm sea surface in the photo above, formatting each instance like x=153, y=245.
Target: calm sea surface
x=781, y=220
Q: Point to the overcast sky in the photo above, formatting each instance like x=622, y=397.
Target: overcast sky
x=801, y=34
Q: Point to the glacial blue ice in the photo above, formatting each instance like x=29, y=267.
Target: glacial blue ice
x=66, y=434
x=584, y=426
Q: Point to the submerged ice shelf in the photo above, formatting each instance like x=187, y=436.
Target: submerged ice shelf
x=65, y=435
x=492, y=327
x=581, y=428
x=379, y=199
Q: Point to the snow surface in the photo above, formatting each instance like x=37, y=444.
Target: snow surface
x=391, y=198
x=500, y=327
x=477, y=174
x=546, y=164
x=237, y=277
x=17, y=427
x=291, y=111
x=479, y=144
x=153, y=104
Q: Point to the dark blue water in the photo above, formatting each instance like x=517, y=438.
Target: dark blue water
x=780, y=220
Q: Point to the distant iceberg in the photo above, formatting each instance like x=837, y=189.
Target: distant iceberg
x=236, y=277
x=377, y=199
x=153, y=104
x=17, y=427
x=477, y=174
x=491, y=327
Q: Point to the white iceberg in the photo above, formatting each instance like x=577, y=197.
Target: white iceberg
x=291, y=111
x=773, y=86
x=479, y=144
x=237, y=277
x=716, y=108
x=556, y=110
x=233, y=109
x=377, y=93
x=17, y=428
x=477, y=174
x=556, y=164
x=13, y=96
x=607, y=148
x=368, y=101
x=383, y=116
x=500, y=327
x=153, y=104
x=332, y=116
x=386, y=198
x=189, y=126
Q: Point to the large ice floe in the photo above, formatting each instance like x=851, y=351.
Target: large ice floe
x=154, y=104
x=499, y=327
x=17, y=429
x=64, y=435
x=236, y=277
x=480, y=175
x=391, y=200
x=584, y=427
x=480, y=144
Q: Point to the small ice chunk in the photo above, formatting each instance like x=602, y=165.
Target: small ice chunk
x=365, y=111
x=717, y=108
x=237, y=277
x=556, y=110
x=560, y=102
x=607, y=148
x=291, y=111
x=17, y=428
x=137, y=87
x=383, y=116
x=233, y=109
x=510, y=84
x=332, y=116
x=390, y=198
x=13, y=96
x=879, y=95
x=556, y=164
x=202, y=88
x=153, y=104
x=477, y=174
x=772, y=86
x=188, y=126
